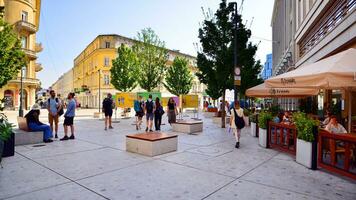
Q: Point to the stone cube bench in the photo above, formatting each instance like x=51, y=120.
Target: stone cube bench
x=24, y=137
x=217, y=120
x=152, y=143
x=188, y=126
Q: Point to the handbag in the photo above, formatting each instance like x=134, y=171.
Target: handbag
x=239, y=121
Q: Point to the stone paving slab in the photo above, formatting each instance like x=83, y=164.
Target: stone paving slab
x=90, y=163
x=252, y=191
x=60, y=192
x=26, y=176
x=289, y=175
x=156, y=180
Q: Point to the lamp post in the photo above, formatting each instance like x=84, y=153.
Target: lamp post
x=99, y=71
x=21, y=94
x=237, y=71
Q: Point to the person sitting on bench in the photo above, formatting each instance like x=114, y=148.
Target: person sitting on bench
x=34, y=123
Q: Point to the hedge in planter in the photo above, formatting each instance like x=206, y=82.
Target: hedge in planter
x=305, y=128
x=5, y=132
x=263, y=119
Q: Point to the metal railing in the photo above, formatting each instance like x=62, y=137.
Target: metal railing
x=332, y=16
x=337, y=153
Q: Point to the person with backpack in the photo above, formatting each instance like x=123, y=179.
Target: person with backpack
x=108, y=105
x=55, y=110
x=138, y=107
x=158, y=114
x=149, y=110
x=237, y=122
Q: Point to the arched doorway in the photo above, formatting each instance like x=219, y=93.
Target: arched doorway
x=8, y=99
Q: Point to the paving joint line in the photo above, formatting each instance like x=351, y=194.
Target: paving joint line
x=71, y=180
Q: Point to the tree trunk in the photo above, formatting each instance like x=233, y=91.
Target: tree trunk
x=223, y=118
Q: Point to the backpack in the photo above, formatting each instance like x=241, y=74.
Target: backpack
x=60, y=112
x=137, y=106
x=149, y=106
x=239, y=121
x=159, y=111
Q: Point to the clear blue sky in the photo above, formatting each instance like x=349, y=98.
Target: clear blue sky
x=68, y=26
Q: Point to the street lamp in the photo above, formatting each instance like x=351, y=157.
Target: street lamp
x=21, y=94
x=237, y=71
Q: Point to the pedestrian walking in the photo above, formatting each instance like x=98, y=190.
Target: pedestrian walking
x=69, y=117
x=158, y=114
x=34, y=124
x=139, y=109
x=55, y=110
x=237, y=122
x=108, y=105
x=171, y=111
x=149, y=110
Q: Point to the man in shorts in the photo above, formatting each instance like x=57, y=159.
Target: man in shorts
x=107, y=110
x=149, y=109
x=139, y=112
x=69, y=117
x=54, y=106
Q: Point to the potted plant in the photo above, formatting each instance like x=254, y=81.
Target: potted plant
x=5, y=132
x=263, y=119
x=253, y=120
x=305, y=137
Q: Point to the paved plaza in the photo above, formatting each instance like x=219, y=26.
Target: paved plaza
x=206, y=166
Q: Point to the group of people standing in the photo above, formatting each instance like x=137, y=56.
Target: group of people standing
x=153, y=110
x=55, y=107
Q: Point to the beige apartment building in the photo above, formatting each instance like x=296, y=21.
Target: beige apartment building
x=92, y=66
x=64, y=85
x=24, y=15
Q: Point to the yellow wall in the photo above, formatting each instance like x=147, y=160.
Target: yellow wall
x=12, y=15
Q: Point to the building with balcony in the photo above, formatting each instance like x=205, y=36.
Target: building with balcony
x=267, y=68
x=94, y=64
x=24, y=15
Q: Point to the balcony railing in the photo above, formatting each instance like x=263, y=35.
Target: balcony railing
x=27, y=26
x=30, y=53
x=38, y=67
x=332, y=16
x=38, y=47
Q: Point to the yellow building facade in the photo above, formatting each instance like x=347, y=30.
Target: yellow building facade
x=93, y=65
x=24, y=15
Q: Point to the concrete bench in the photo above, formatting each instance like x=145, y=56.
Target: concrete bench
x=217, y=120
x=151, y=144
x=23, y=136
x=188, y=126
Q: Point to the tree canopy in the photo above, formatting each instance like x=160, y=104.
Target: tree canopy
x=152, y=57
x=215, y=59
x=179, y=79
x=12, y=58
x=124, y=69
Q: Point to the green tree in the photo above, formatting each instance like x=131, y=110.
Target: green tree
x=178, y=78
x=152, y=59
x=124, y=69
x=12, y=58
x=215, y=59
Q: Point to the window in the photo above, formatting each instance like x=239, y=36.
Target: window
x=106, y=61
x=106, y=79
x=107, y=44
x=24, y=42
x=24, y=16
